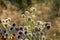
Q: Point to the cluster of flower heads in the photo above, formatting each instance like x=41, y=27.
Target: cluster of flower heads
x=30, y=32
x=6, y=22
x=24, y=32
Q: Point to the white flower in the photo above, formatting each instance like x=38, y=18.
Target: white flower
x=30, y=34
x=27, y=27
x=32, y=21
x=43, y=37
x=49, y=23
x=26, y=39
x=21, y=39
x=29, y=18
x=5, y=22
x=33, y=9
x=27, y=12
x=23, y=16
x=40, y=22
x=9, y=19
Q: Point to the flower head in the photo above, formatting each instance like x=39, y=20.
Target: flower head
x=21, y=28
x=40, y=22
x=33, y=9
x=23, y=16
x=37, y=29
x=48, y=25
x=26, y=39
x=19, y=37
x=17, y=29
x=6, y=34
x=12, y=28
x=25, y=32
x=21, y=33
x=4, y=31
x=13, y=24
x=27, y=12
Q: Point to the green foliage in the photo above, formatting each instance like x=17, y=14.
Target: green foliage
x=29, y=2
x=2, y=4
x=40, y=1
x=18, y=1
x=56, y=4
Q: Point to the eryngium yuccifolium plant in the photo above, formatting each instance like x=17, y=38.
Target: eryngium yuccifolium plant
x=27, y=21
x=26, y=32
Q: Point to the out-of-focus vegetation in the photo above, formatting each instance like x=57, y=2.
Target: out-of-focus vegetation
x=2, y=3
